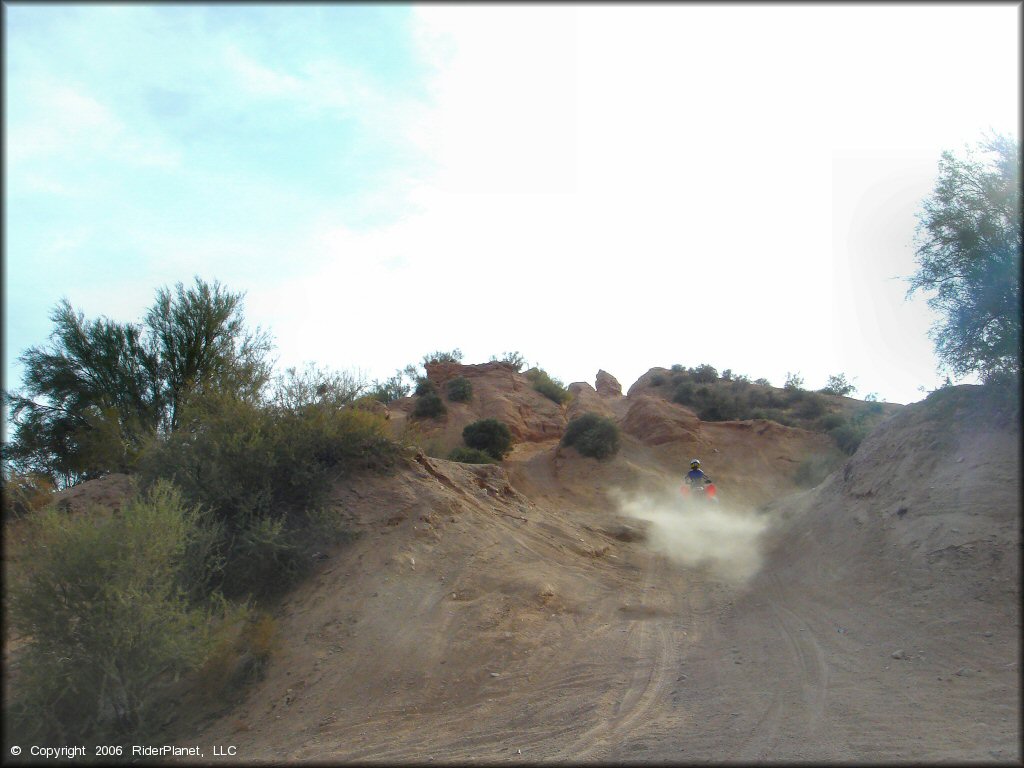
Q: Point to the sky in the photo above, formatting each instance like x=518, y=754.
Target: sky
x=609, y=187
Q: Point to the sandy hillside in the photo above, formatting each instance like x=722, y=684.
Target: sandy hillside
x=557, y=608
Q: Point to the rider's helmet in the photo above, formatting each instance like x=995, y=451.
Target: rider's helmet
x=695, y=464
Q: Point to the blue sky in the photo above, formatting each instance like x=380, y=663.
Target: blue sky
x=601, y=186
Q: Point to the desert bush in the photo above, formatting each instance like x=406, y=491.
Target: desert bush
x=489, y=435
x=24, y=494
x=454, y=356
x=553, y=389
x=424, y=386
x=716, y=405
x=848, y=436
x=657, y=380
x=677, y=368
x=471, y=456
x=460, y=390
x=262, y=471
x=592, y=435
x=705, y=374
x=390, y=389
x=683, y=393
x=429, y=406
x=98, y=596
x=763, y=382
x=241, y=646
x=830, y=421
x=838, y=385
x=811, y=406
x=514, y=359
x=794, y=381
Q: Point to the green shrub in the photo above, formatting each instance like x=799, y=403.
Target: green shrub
x=23, y=494
x=705, y=374
x=849, y=436
x=263, y=471
x=838, y=385
x=762, y=382
x=811, y=407
x=592, y=435
x=677, y=368
x=455, y=356
x=683, y=393
x=424, y=386
x=390, y=389
x=514, y=359
x=460, y=390
x=429, y=406
x=98, y=596
x=241, y=648
x=657, y=380
x=471, y=456
x=716, y=405
x=489, y=435
x=553, y=389
x=830, y=421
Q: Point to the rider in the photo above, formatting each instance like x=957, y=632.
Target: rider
x=696, y=474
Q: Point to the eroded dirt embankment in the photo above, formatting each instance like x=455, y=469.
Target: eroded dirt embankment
x=521, y=614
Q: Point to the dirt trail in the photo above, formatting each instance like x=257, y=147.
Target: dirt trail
x=515, y=615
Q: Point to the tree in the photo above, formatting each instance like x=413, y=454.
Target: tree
x=202, y=341
x=98, y=377
x=968, y=254
x=838, y=385
x=101, y=388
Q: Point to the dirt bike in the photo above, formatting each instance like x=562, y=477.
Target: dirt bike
x=700, y=493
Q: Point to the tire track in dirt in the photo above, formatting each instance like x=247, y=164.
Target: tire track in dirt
x=802, y=674
x=651, y=644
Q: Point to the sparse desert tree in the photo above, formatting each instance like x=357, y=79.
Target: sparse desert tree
x=94, y=396
x=794, y=381
x=390, y=389
x=838, y=385
x=705, y=374
x=969, y=259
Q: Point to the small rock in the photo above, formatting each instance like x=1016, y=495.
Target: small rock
x=988, y=634
x=964, y=672
x=495, y=674
x=900, y=654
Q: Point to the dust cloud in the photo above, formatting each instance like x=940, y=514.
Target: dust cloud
x=722, y=538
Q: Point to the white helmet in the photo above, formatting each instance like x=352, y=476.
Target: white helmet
x=695, y=464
